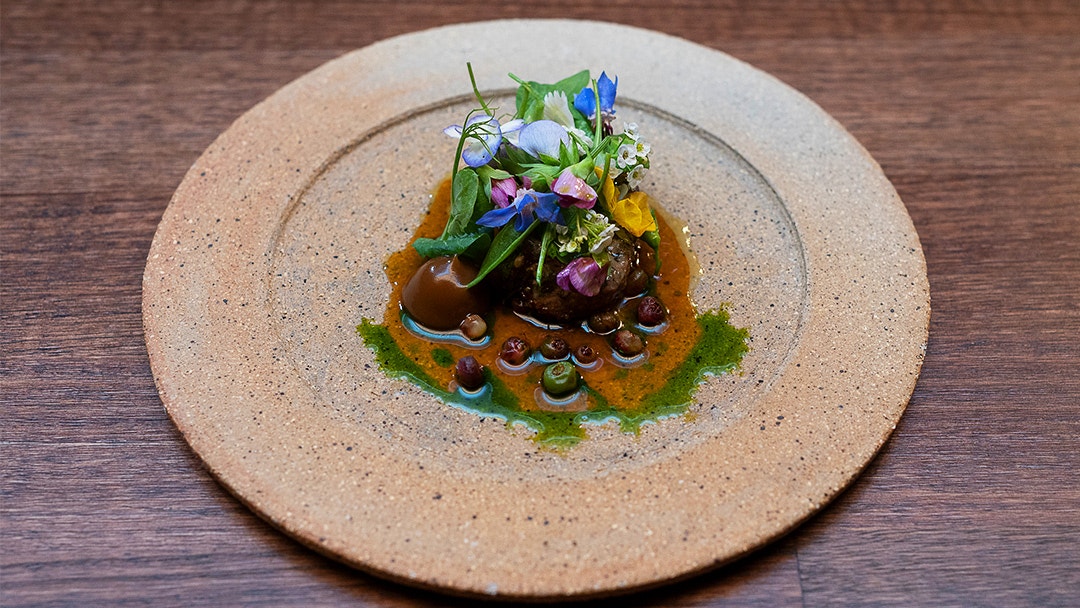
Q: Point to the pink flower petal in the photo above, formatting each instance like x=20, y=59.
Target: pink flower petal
x=503, y=191
x=574, y=190
x=583, y=274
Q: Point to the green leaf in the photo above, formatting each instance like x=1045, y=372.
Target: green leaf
x=505, y=243
x=454, y=245
x=580, y=121
x=483, y=203
x=542, y=175
x=530, y=95
x=462, y=200
x=489, y=173
x=566, y=157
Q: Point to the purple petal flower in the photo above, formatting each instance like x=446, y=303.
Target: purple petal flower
x=511, y=128
x=583, y=274
x=482, y=141
x=543, y=137
x=503, y=191
x=573, y=190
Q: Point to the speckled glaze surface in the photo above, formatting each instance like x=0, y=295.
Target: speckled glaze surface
x=272, y=251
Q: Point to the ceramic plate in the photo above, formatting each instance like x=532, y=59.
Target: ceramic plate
x=272, y=251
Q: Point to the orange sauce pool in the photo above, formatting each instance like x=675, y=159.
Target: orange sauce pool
x=619, y=387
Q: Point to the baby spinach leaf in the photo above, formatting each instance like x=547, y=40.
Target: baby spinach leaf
x=505, y=242
x=462, y=199
x=467, y=244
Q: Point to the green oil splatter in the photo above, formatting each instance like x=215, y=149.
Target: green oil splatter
x=719, y=350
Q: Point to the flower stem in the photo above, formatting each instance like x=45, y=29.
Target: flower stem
x=544, y=243
x=599, y=120
x=476, y=91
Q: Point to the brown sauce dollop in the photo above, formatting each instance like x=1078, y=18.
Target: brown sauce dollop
x=436, y=296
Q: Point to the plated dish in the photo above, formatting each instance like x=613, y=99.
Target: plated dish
x=273, y=251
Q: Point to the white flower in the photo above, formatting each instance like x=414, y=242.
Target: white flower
x=590, y=229
x=633, y=179
x=602, y=240
x=570, y=239
x=642, y=148
x=626, y=156
x=557, y=109
x=630, y=129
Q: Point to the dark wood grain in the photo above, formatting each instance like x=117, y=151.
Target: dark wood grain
x=972, y=109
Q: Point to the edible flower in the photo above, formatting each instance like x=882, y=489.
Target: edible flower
x=483, y=136
x=573, y=190
x=583, y=275
x=528, y=206
x=557, y=109
x=587, y=229
x=633, y=213
x=503, y=191
x=543, y=137
x=607, y=189
x=585, y=101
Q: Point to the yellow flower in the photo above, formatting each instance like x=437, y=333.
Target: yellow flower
x=633, y=213
x=608, y=189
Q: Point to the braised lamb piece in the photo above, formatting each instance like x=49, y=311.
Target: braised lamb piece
x=630, y=265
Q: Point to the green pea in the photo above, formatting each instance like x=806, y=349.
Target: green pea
x=560, y=378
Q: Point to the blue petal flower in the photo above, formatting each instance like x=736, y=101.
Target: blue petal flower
x=543, y=137
x=547, y=207
x=497, y=217
x=585, y=101
x=483, y=140
x=526, y=208
x=607, y=89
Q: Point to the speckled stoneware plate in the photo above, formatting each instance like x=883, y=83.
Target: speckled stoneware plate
x=272, y=251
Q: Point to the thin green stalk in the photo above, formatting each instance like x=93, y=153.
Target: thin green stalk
x=476, y=91
x=599, y=121
x=544, y=243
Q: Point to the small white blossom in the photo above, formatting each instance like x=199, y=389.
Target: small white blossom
x=626, y=156
x=602, y=240
x=636, y=175
x=569, y=239
x=630, y=129
x=642, y=148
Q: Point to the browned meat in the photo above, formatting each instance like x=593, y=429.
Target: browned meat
x=549, y=303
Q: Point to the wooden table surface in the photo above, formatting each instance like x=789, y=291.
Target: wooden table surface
x=972, y=109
